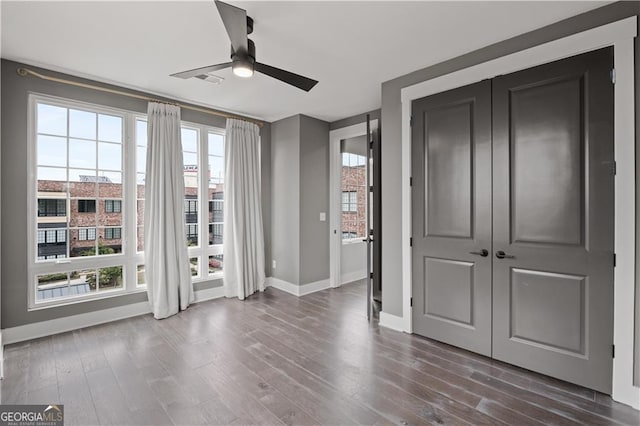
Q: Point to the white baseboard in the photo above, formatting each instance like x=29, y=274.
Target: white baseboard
x=313, y=287
x=297, y=290
x=392, y=322
x=283, y=285
x=75, y=322
x=350, y=277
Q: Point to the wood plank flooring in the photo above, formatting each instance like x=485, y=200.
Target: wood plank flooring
x=277, y=359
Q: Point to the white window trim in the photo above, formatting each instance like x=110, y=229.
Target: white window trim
x=620, y=35
x=68, y=264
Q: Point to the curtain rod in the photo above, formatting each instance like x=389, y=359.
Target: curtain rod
x=24, y=72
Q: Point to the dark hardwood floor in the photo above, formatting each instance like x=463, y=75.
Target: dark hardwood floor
x=278, y=359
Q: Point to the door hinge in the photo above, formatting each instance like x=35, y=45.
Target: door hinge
x=410, y=181
x=614, y=260
x=411, y=302
x=411, y=121
x=411, y=242
x=371, y=275
x=612, y=74
x=371, y=188
x=613, y=351
x=615, y=168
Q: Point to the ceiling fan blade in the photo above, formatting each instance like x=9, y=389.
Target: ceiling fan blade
x=235, y=22
x=198, y=71
x=297, y=80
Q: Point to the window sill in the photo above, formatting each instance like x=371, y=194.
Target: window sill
x=82, y=299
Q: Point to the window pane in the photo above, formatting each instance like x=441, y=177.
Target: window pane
x=215, y=264
x=52, y=151
x=189, y=140
x=109, y=128
x=140, y=275
x=52, y=120
x=109, y=156
x=141, y=160
x=51, y=174
x=82, y=124
x=107, y=278
x=140, y=221
x=109, y=184
x=141, y=132
x=194, y=264
x=65, y=284
x=353, y=196
x=82, y=153
x=216, y=169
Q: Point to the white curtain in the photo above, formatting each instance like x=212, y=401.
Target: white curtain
x=243, y=241
x=165, y=245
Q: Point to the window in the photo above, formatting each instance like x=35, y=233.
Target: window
x=112, y=206
x=82, y=163
x=349, y=202
x=48, y=207
x=77, y=162
x=354, y=193
x=86, y=206
x=215, y=191
x=112, y=233
x=85, y=234
x=190, y=154
x=52, y=243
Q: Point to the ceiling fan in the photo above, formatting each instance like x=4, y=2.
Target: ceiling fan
x=243, y=52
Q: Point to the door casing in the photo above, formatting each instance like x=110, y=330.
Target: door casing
x=335, y=193
x=621, y=36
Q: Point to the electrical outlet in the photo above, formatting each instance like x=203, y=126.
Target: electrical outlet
x=273, y=264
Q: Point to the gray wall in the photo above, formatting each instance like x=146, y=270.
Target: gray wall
x=314, y=198
x=14, y=178
x=265, y=183
x=300, y=191
x=391, y=128
x=285, y=198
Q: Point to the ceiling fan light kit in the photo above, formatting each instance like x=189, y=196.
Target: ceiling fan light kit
x=243, y=63
x=243, y=52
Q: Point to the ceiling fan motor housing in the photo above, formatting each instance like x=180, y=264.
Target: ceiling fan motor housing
x=247, y=58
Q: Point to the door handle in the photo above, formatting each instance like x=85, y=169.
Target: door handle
x=502, y=255
x=483, y=253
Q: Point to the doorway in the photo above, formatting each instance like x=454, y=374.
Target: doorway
x=513, y=218
x=354, y=207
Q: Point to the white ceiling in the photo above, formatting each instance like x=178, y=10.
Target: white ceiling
x=351, y=48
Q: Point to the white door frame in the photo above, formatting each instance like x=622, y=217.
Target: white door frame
x=335, y=195
x=620, y=35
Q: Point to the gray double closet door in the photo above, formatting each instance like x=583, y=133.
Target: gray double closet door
x=512, y=206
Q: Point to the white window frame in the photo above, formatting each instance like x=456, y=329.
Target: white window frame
x=203, y=250
x=129, y=258
x=68, y=264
